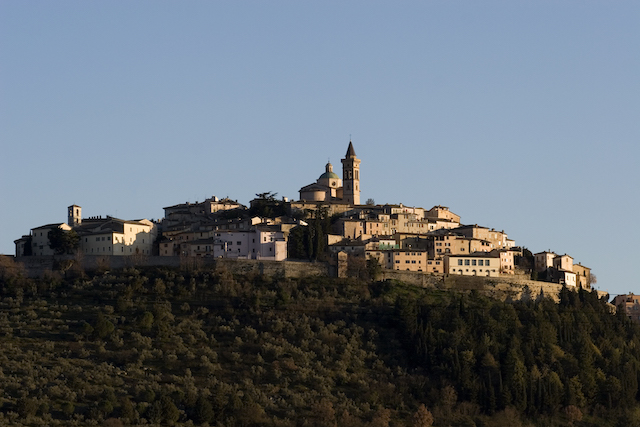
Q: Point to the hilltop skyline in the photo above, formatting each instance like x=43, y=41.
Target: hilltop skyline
x=516, y=116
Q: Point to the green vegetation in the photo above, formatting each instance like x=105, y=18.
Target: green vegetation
x=207, y=347
x=63, y=241
x=308, y=242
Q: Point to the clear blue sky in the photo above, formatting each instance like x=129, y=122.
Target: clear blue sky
x=518, y=115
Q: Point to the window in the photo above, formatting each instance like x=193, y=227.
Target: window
x=238, y=243
x=459, y=262
x=473, y=262
x=487, y=263
x=466, y=262
x=97, y=239
x=480, y=262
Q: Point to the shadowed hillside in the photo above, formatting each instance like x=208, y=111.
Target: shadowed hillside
x=207, y=347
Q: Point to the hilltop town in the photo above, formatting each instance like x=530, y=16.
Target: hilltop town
x=328, y=223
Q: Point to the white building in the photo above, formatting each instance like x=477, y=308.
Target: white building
x=260, y=243
x=40, y=239
x=113, y=236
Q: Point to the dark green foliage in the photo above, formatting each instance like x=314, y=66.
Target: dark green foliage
x=62, y=241
x=103, y=327
x=538, y=357
x=202, y=411
x=167, y=347
x=26, y=406
x=309, y=241
x=266, y=205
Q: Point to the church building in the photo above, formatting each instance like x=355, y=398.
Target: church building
x=330, y=188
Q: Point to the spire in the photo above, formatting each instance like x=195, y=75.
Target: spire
x=350, y=151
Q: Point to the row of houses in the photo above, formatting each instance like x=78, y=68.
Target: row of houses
x=394, y=253
x=96, y=236
x=399, y=237
x=556, y=268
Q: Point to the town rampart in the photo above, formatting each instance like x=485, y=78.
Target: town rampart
x=36, y=266
x=504, y=288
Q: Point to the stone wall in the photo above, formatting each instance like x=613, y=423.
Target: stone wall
x=504, y=288
x=37, y=266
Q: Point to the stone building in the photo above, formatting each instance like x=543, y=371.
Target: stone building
x=630, y=304
x=329, y=187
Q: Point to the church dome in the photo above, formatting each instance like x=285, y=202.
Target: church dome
x=329, y=174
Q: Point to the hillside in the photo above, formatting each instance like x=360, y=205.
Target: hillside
x=207, y=347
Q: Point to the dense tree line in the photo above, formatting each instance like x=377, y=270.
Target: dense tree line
x=541, y=358
x=208, y=347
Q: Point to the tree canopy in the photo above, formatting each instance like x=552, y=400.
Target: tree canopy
x=63, y=241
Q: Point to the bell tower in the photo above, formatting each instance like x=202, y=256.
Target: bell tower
x=351, y=177
x=74, y=215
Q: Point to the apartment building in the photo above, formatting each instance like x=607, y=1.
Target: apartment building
x=475, y=264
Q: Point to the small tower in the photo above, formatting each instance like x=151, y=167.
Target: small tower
x=351, y=177
x=74, y=215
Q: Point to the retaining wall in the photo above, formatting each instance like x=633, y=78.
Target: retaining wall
x=36, y=266
x=504, y=288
